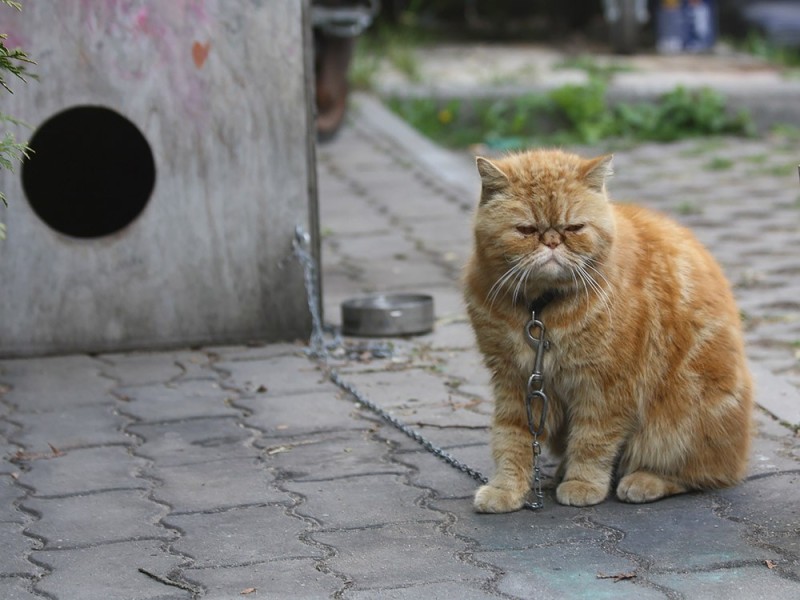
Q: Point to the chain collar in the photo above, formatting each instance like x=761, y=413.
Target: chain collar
x=535, y=337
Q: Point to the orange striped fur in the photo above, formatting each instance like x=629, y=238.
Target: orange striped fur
x=646, y=374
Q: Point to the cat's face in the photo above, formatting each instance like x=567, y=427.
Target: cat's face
x=543, y=222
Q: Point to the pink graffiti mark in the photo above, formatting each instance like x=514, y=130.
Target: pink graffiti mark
x=200, y=53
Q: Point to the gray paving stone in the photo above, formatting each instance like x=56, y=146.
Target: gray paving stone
x=776, y=395
x=366, y=501
x=110, y=572
x=71, y=427
x=449, y=590
x=550, y=525
x=215, y=484
x=197, y=398
x=291, y=579
x=240, y=536
x=681, y=532
x=397, y=388
x=755, y=582
x=182, y=442
x=42, y=384
x=17, y=588
x=10, y=493
x=280, y=375
x=259, y=352
x=96, y=518
x=84, y=470
x=770, y=503
x=396, y=555
x=16, y=546
x=445, y=413
x=566, y=571
x=406, y=276
x=328, y=456
x=433, y=472
x=280, y=416
x=141, y=368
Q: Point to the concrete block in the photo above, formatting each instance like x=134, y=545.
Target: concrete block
x=110, y=572
x=10, y=493
x=333, y=503
x=71, y=427
x=84, y=470
x=16, y=547
x=89, y=519
x=173, y=160
x=463, y=590
x=215, y=485
x=43, y=384
x=182, y=400
x=181, y=442
x=281, y=375
x=243, y=535
x=690, y=535
x=743, y=582
x=293, y=579
x=395, y=555
x=566, y=571
x=287, y=416
x=16, y=588
x=519, y=530
x=328, y=456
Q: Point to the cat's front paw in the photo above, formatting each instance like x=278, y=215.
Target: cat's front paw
x=580, y=493
x=641, y=486
x=491, y=499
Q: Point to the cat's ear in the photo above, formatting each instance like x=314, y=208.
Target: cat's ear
x=597, y=170
x=493, y=180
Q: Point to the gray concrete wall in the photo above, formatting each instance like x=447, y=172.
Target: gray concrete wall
x=221, y=91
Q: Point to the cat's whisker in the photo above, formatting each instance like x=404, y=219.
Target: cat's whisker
x=521, y=278
x=609, y=287
x=508, y=276
x=583, y=280
x=597, y=288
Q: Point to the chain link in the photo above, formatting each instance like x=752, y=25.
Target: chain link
x=319, y=350
x=535, y=336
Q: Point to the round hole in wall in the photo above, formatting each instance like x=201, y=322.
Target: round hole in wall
x=91, y=172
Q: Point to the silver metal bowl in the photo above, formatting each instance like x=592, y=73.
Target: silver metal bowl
x=382, y=315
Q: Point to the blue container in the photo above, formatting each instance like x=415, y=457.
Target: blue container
x=686, y=26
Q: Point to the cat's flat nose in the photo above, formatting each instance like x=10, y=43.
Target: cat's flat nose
x=551, y=239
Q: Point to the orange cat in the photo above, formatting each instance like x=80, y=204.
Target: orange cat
x=645, y=372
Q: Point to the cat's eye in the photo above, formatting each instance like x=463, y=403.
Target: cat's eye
x=526, y=229
x=573, y=228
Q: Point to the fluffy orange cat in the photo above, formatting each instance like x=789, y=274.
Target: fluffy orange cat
x=645, y=372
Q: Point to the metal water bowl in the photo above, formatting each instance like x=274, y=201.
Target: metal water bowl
x=384, y=315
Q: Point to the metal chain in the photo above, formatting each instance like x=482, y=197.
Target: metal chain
x=535, y=391
x=320, y=351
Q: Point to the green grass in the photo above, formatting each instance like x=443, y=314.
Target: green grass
x=687, y=208
x=589, y=65
x=759, y=46
x=571, y=114
x=719, y=163
x=397, y=46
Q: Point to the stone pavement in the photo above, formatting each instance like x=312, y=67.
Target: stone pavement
x=242, y=472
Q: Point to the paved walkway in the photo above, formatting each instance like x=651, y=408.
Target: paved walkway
x=242, y=472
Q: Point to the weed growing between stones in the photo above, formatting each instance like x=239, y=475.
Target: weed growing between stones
x=571, y=114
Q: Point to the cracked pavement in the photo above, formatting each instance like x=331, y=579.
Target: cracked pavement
x=244, y=472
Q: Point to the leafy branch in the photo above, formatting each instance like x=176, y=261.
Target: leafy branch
x=13, y=62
